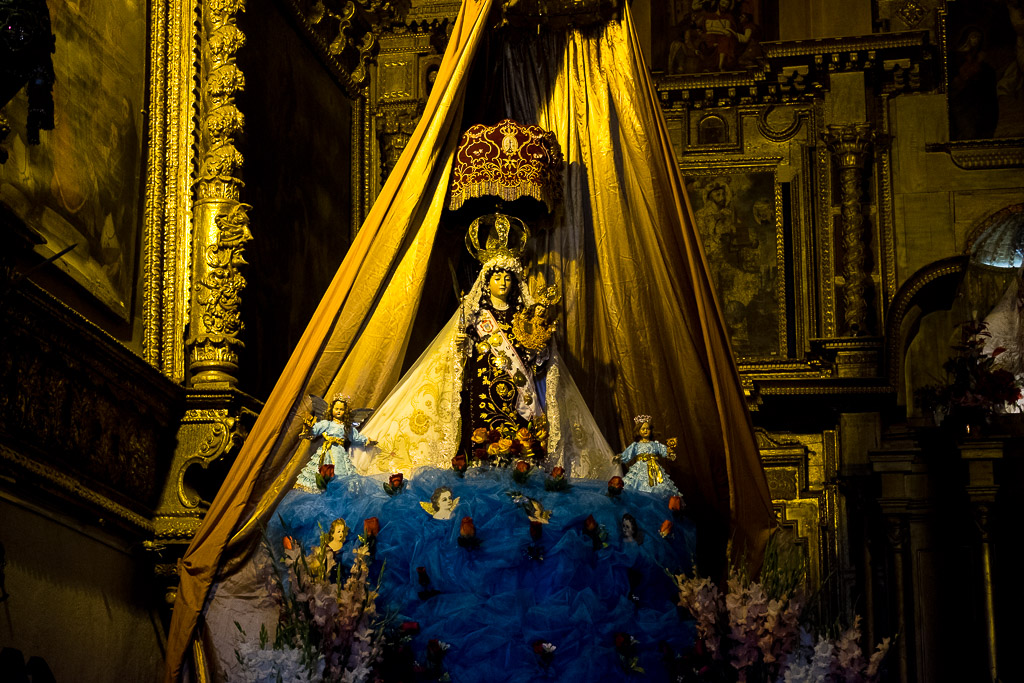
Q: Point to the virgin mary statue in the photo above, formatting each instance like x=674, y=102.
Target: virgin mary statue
x=639, y=321
x=484, y=372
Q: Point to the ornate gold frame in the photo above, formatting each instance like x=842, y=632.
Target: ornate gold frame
x=758, y=165
x=168, y=203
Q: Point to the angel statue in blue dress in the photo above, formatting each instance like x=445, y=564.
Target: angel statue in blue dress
x=334, y=423
x=646, y=474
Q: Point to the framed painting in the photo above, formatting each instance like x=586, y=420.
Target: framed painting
x=81, y=185
x=984, y=55
x=710, y=35
x=738, y=211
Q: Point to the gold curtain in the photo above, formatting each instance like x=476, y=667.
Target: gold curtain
x=641, y=319
x=642, y=322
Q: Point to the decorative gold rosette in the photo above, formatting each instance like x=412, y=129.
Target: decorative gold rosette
x=507, y=160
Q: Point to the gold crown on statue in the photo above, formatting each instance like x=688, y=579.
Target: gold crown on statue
x=641, y=419
x=496, y=234
x=341, y=397
x=507, y=160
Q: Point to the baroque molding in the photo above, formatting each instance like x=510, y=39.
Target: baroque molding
x=800, y=70
x=81, y=416
x=345, y=34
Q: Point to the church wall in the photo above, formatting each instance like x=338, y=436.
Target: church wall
x=938, y=206
x=76, y=597
x=297, y=177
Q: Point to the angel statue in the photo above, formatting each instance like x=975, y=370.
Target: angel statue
x=442, y=505
x=334, y=423
x=650, y=476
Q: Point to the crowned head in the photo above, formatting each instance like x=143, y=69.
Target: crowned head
x=496, y=235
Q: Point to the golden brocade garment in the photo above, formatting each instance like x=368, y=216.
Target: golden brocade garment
x=490, y=391
x=654, y=476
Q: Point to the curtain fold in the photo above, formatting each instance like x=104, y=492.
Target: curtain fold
x=385, y=265
x=642, y=329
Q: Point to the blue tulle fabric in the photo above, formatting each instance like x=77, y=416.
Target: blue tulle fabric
x=495, y=601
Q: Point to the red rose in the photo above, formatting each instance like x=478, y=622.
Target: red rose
x=616, y=483
x=493, y=436
x=289, y=543
x=675, y=503
x=467, y=529
x=459, y=462
x=666, y=528
x=537, y=448
x=396, y=480
x=558, y=472
x=410, y=628
x=371, y=527
x=621, y=640
x=479, y=453
x=434, y=649
x=522, y=467
x=535, y=530
x=516, y=448
x=327, y=471
x=590, y=524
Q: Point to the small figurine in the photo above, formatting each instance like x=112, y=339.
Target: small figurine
x=442, y=505
x=338, y=435
x=630, y=530
x=645, y=450
x=328, y=555
x=533, y=508
x=534, y=329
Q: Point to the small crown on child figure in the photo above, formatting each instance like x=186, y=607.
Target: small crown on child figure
x=641, y=419
x=341, y=397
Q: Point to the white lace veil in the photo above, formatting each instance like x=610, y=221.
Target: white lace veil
x=419, y=423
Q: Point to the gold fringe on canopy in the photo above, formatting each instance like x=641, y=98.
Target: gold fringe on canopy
x=641, y=326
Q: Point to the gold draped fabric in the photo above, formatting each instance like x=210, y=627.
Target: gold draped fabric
x=640, y=324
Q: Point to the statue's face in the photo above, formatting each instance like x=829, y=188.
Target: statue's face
x=542, y=310
x=645, y=430
x=338, y=410
x=339, y=533
x=500, y=284
x=444, y=502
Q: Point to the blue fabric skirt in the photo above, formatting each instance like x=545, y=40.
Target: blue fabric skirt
x=495, y=600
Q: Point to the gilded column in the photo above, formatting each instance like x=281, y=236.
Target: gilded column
x=850, y=145
x=221, y=222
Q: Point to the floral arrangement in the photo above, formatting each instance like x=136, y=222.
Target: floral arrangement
x=394, y=483
x=975, y=386
x=615, y=486
x=753, y=631
x=326, y=630
x=323, y=476
x=545, y=652
x=467, y=534
x=500, y=449
x=557, y=481
x=597, y=534
x=625, y=648
x=521, y=472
